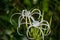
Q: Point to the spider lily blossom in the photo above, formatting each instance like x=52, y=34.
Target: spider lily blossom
x=33, y=23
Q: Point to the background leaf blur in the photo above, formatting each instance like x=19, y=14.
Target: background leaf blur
x=50, y=8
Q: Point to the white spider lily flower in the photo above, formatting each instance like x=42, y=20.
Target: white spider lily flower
x=33, y=23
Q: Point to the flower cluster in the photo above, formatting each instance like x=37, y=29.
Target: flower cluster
x=28, y=14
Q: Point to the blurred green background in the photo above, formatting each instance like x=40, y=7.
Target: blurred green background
x=51, y=10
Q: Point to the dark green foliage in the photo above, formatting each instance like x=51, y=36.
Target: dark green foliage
x=50, y=8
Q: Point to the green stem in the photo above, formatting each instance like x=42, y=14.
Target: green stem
x=26, y=23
